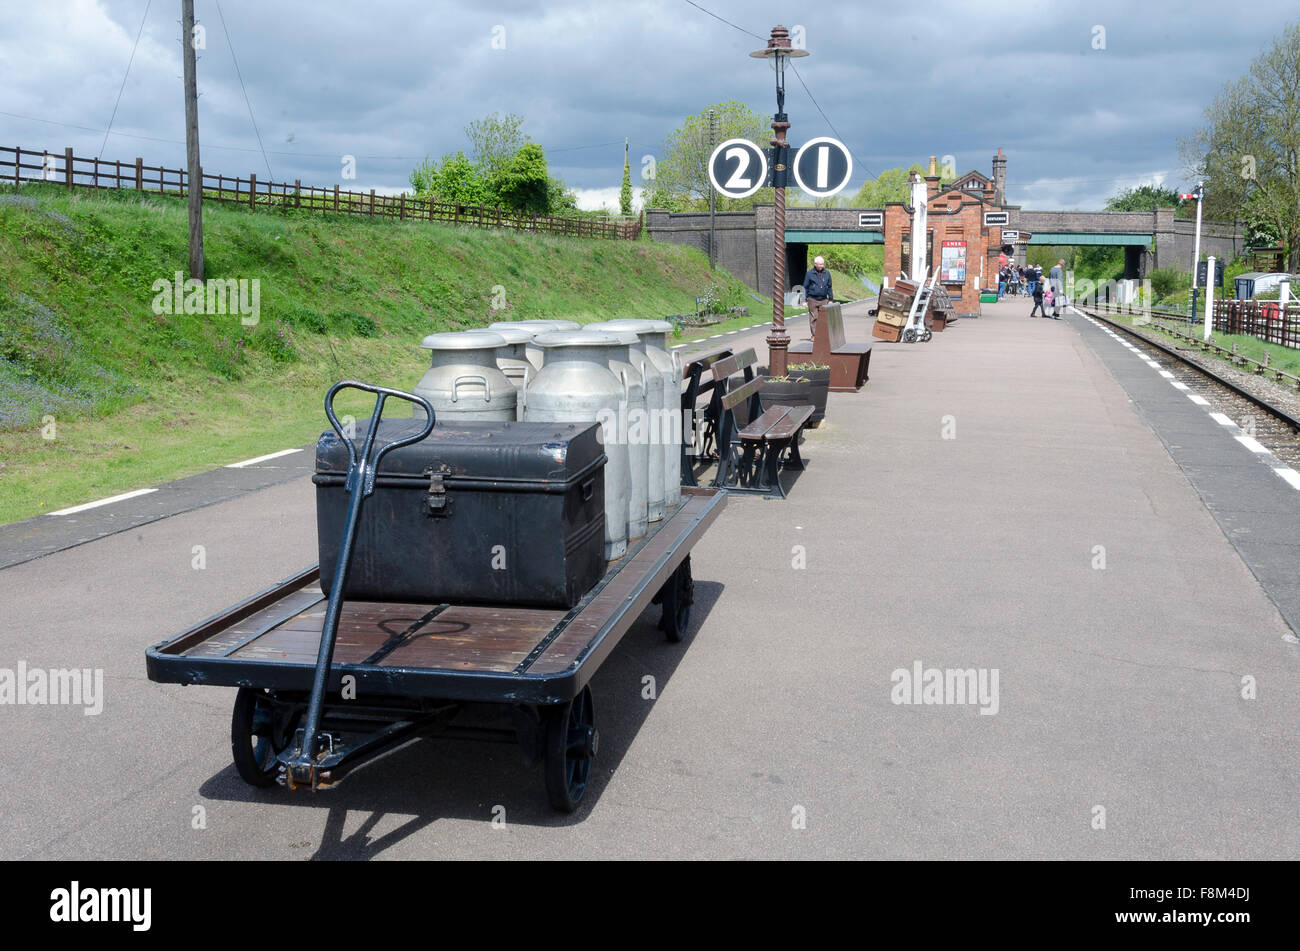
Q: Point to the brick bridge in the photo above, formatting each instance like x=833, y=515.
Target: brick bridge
x=969, y=214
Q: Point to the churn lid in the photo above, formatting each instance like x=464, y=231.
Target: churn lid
x=464, y=340
x=575, y=338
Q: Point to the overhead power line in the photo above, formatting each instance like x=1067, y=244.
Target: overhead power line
x=129, y=61
x=240, y=75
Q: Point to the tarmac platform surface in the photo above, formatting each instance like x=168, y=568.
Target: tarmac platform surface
x=1002, y=500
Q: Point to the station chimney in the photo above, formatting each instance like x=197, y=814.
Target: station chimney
x=999, y=178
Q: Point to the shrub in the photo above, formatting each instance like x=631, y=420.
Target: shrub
x=304, y=318
x=349, y=322
x=1167, y=280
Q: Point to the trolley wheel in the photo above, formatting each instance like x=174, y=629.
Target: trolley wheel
x=259, y=731
x=909, y=336
x=678, y=595
x=571, y=741
x=925, y=337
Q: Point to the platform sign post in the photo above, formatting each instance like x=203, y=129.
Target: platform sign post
x=1199, y=195
x=1209, y=298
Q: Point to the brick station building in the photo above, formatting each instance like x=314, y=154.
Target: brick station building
x=965, y=221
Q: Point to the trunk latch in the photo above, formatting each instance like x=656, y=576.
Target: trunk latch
x=436, y=503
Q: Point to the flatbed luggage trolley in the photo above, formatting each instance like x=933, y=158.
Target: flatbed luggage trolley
x=396, y=672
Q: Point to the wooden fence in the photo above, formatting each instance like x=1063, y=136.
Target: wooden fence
x=19, y=165
x=1259, y=318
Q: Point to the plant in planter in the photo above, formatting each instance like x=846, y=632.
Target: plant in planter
x=790, y=390
x=819, y=378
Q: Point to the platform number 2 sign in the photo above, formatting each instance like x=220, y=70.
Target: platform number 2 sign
x=737, y=168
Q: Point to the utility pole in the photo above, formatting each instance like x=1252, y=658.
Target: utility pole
x=194, y=190
x=713, y=137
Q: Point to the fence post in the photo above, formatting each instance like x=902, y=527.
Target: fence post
x=401, y=206
x=67, y=166
x=336, y=198
x=252, y=189
x=372, y=203
x=297, y=193
x=139, y=174
x=18, y=164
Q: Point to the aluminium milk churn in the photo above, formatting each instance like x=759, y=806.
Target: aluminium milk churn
x=669, y=431
x=464, y=382
x=575, y=385
x=631, y=413
x=535, y=353
x=644, y=428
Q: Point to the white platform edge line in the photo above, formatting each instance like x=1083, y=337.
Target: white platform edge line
x=90, y=505
x=1290, y=475
x=253, y=462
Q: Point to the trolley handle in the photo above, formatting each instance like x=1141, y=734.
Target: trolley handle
x=361, y=467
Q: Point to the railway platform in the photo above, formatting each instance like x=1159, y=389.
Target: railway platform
x=996, y=618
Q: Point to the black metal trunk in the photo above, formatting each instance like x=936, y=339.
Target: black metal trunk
x=492, y=512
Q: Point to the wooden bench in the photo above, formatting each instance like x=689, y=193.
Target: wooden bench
x=753, y=449
x=693, y=372
x=848, y=361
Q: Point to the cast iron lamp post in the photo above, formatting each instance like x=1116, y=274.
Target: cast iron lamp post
x=778, y=51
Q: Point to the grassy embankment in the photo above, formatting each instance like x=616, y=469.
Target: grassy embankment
x=1282, y=358
x=101, y=395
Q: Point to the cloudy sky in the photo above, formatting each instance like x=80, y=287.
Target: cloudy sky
x=1085, y=98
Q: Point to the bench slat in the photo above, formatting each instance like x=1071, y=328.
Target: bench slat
x=735, y=397
x=762, y=426
x=725, y=367
x=793, y=418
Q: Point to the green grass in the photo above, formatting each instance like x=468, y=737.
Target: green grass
x=1281, y=358
x=137, y=398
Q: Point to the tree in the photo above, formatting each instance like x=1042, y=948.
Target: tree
x=455, y=179
x=494, y=140
x=522, y=184
x=625, y=193
x=889, y=185
x=681, y=180
x=1248, y=152
x=1144, y=198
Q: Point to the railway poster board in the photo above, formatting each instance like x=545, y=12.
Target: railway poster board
x=952, y=262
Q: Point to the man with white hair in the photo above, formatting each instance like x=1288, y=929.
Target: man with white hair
x=817, y=291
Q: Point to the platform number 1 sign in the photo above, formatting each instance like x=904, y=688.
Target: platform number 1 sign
x=738, y=168
x=822, y=166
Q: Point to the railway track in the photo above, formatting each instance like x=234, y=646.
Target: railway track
x=1272, y=426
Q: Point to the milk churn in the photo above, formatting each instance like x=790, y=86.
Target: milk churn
x=655, y=334
x=535, y=354
x=464, y=382
x=575, y=385
x=512, y=360
x=631, y=423
x=644, y=428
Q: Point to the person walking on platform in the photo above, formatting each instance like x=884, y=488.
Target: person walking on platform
x=1057, y=277
x=817, y=290
x=1038, y=303
x=1049, y=301
x=1015, y=282
x=1002, y=283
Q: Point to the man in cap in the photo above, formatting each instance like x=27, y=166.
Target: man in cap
x=817, y=291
